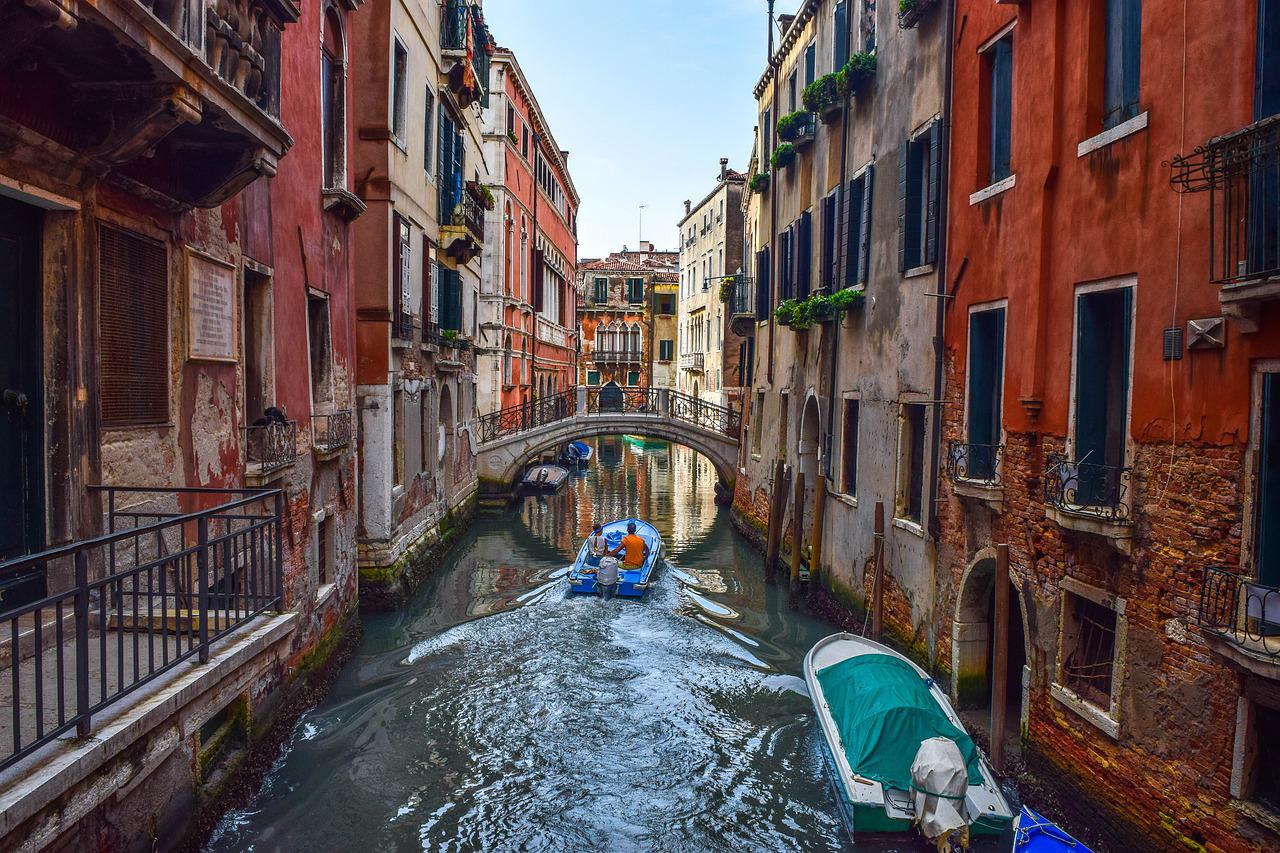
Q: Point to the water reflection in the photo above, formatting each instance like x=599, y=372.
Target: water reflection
x=498, y=713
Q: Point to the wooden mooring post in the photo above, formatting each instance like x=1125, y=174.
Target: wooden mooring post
x=819, y=517
x=777, y=507
x=877, y=583
x=797, y=535
x=1000, y=658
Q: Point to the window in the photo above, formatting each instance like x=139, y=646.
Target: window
x=133, y=329
x=426, y=431
x=404, y=271
x=319, y=344
x=998, y=62
x=1088, y=649
x=1123, y=63
x=1266, y=73
x=259, y=355
x=791, y=93
x=635, y=290
x=804, y=254
x=450, y=299
x=333, y=114
x=766, y=138
x=810, y=63
x=633, y=377
x=856, y=261
x=1260, y=781
x=1103, y=330
x=911, y=463
x=986, y=385
x=524, y=140
x=786, y=264
x=827, y=270
x=666, y=303
x=428, y=127
x=666, y=349
x=451, y=164
x=918, y=177
x=1267, y=503
x=840, y=29
x=511, y=119
x=601, y=291
x=763, y=297
x=399, y=90
x=593, y=377
x=324, y=551
x=757, y=423
x=867, y=26
x=849, y=448
x=397, y=452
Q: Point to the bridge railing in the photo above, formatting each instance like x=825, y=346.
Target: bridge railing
x=612, y=400
x=705, y=414
x=526, y=416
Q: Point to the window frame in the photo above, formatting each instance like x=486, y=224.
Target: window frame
x=974, y=310
x=398, y=111
x=1115, y=284
x=1106, y=719
x=333, y=96
x=907, y=463
x=988, y=54
x=843, y=487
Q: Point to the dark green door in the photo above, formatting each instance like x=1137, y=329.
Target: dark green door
x=1268, y=501
x=1102, y=392
x=21, y=401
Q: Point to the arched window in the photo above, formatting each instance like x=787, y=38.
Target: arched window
x=635, y=339
x=506, y=362
x=333, y=101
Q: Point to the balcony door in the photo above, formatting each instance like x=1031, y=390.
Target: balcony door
x=1263, y=239
x=1267, y=503
x=1103, y=331
x=21, y=400
x=986, y=386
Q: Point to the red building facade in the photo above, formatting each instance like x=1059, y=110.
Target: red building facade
x=529, y=342
x=1110, y=410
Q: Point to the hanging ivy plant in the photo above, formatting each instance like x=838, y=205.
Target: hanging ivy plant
x=859, y=71
x=784, y=155
x=759, y=182
x=789, y=126
x=823, y=93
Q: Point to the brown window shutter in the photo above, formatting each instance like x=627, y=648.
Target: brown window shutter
x=133, y=329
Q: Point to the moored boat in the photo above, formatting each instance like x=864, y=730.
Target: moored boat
x=1034, y=833
x=632, y=582
x=577, y=454
x=544, y=478
x=899, y=754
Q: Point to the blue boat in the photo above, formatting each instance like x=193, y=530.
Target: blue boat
x=632, y=583
x=1034, y=833
x=577, y=453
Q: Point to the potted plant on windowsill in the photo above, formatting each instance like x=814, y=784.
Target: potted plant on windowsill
x=449, y=337
x=726, y=288
x=823, y=96
x=848, y=299
x=784, y=155
x=820, y=308
x=858, y=72
x=487, y=201
x=796, y=127
x=911, y=11
x=759, y=182
x=511, y=135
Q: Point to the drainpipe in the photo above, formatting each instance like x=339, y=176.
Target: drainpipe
x=533, y=258
x=773, y=197
x=939, y=343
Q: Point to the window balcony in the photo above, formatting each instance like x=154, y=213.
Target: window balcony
x=742, y=303
x=462, y=230
x=332, y=432
x=1241, y=172
x=694, y=362
x=616, y=356
x=269, y=448
x=463, y=35
x=974, y=471
x=911, y=12
x=798, y=128
x=189, y=81
x=1089, y=498
x=1241, y=618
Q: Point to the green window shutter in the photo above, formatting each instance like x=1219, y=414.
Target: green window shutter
x=932, y=194
x=904, y=155
x=864, y=222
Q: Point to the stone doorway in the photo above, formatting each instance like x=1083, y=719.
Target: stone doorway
x=973, y=649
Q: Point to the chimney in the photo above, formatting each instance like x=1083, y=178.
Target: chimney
x=724, y=168
x=564, y=155
x=784, y=23
x=688, y=205
x=646, y=246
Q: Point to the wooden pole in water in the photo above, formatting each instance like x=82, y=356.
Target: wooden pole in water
x=1000, y=658
x=877, y=586
x=777, y=506
x=797, y=534
x=819, y=516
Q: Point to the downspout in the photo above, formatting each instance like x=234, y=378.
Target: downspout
x=533, y=259
x=836, y=285
x=773, y=196
x=939, y=342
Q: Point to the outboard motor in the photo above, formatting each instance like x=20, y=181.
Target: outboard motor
x=940, y=780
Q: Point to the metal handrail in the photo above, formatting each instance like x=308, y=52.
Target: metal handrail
x=617, y=355
x=272, y=446
x=614, y=399
x=705, y=414
x=1086, y=488
x=332, y=431
x=525, y=416
x=180, y=579
x=1241, y=611
x=975, y=463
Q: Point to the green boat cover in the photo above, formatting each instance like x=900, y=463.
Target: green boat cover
x=884, y=711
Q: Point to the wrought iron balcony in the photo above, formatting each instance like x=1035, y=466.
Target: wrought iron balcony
x=402, y=326
x=742, y=300
x=1242, y=612
x=462, y=228
x=270, y=447
x=1241, y=172
x=466, y=44
x=163, y=583
x=692, y=361
x=616, y=356
x=332, y=432
x=977, y=464
x=1085, y=488
x=190, y=81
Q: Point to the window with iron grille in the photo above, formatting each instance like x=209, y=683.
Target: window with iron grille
x=133, y=329
x=1089, y=646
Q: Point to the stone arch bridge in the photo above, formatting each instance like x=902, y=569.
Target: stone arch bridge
x=508, y=440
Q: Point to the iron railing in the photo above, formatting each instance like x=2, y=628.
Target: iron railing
x=1085, y=488
x=468, y=213
x=1240, y=611
x=742, y=303
x=693, y=361
x=614, y=399
x=177, y=570
x=705, y=414
x=402, y=326
x=1241, y=172
x=332, y=431
x=617, y=356
x=455, y=21
x=270, y=447
x=526, y=416
x=975, y=463
x=802, y=131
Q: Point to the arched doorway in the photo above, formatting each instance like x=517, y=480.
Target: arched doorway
x=695, y=388
x=810, y=437
x=444, y=438
x=973, y=644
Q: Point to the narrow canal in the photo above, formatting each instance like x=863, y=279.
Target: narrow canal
x=497, y=713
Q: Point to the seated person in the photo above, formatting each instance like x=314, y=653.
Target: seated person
x=634, y=548
x=597, y=547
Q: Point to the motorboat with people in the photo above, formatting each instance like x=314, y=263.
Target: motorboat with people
x=577, y=454
x=545, y=478
x=900, y=756
x=638, y=561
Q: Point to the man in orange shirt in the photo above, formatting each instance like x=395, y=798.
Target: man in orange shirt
x=634, y=547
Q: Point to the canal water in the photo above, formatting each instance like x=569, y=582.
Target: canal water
x=497, y=713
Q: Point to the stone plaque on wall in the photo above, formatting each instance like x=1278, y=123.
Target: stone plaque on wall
x=211, y=287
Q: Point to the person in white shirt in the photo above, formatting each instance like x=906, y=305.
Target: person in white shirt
x=597, y=546
x=607, y=577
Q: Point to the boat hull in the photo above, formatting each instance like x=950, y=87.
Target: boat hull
x=632, y=583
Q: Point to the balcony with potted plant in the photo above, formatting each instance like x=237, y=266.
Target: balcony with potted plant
x=784, y=155
x=820, y=307
x=857, y=73
x=798, y=128
x=759, y=182
x=911, y=12
x=825, y=98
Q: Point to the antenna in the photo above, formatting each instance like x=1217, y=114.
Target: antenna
x=641, y=235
